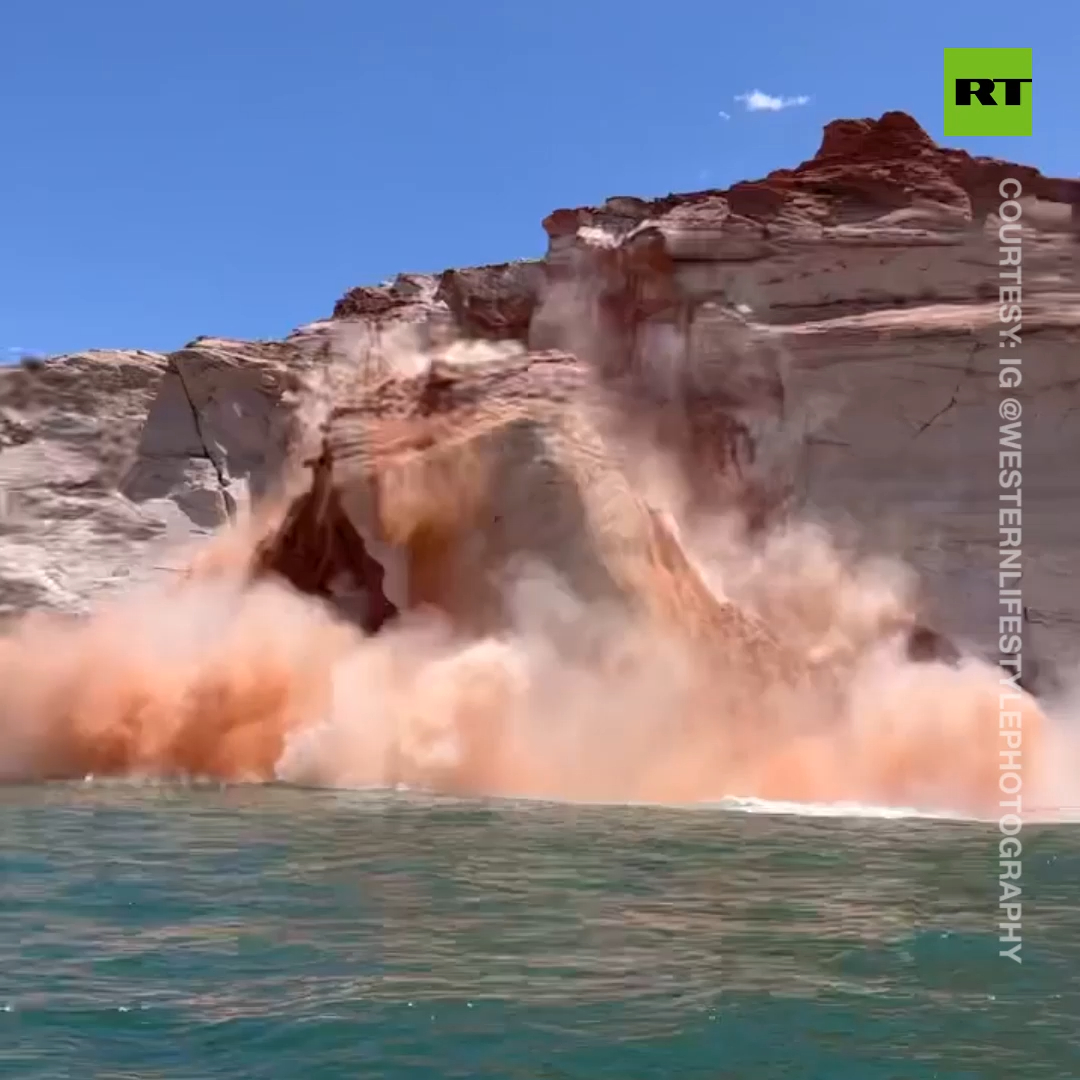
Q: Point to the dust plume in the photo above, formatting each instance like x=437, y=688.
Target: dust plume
x=220, y=677
x=227, y=675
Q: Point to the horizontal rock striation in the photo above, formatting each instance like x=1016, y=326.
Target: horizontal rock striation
x=826, y=337
x=69, y=433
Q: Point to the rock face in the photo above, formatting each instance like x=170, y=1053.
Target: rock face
x=112, y=463
x=69, y=431
x=875, y=269
x=453, y=489
x=828, y=336
x=216, y=436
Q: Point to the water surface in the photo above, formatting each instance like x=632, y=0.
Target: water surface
x=270, y=932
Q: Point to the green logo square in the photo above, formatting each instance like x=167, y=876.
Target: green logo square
x=987, y=92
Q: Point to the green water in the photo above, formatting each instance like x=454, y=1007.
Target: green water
x=277, y=933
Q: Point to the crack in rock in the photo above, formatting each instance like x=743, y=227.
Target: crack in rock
x=938, y=415
x=223, y=482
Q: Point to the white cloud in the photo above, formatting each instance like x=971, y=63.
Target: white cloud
x=724, y=115
x=759, y=101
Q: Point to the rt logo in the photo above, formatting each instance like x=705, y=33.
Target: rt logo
x=987, y=92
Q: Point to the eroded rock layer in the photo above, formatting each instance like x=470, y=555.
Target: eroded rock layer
x=543, y=527
x=825, y=336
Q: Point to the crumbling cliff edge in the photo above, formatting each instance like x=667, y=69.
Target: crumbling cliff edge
x=825, y=338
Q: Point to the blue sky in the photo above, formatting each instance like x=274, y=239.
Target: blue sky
x=231, y=167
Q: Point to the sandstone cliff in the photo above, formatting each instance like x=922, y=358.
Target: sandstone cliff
x=826, y=336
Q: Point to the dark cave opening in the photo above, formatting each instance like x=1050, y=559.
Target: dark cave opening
x=317, y=549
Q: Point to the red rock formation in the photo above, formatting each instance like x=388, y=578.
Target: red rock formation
x=488, y=302
x=865, y=277
x=389, y=299
x=887, y=163
x=493, y=302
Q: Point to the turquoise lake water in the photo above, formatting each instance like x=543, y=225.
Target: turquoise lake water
x=279, y=933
